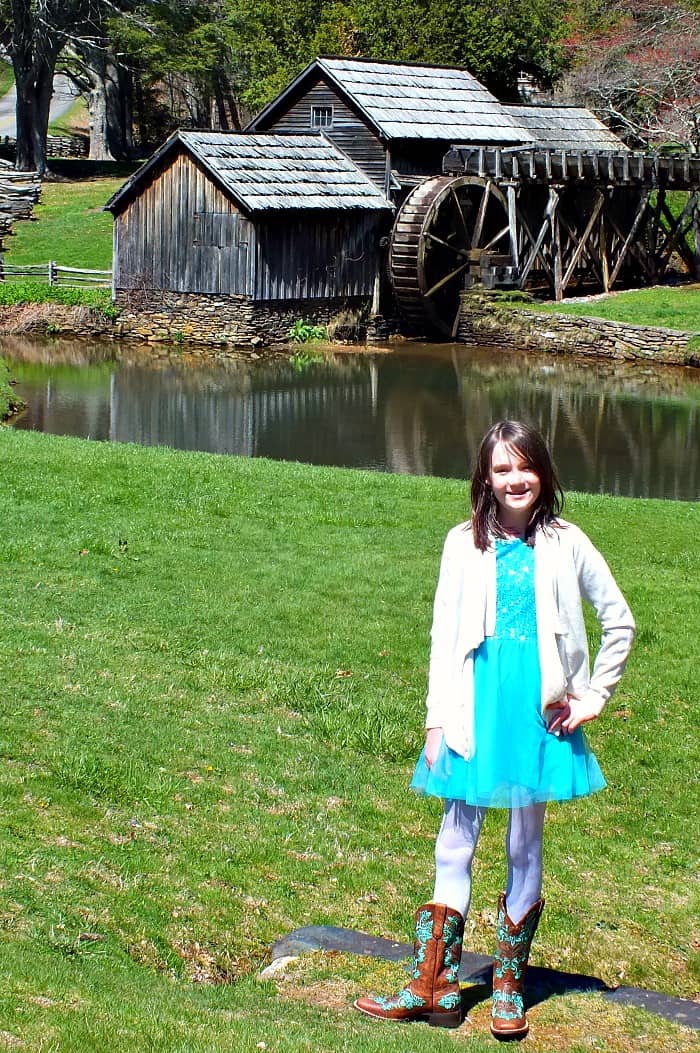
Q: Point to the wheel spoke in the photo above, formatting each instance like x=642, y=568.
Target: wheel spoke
x=448, y=278
x=462, y=217
x=446, y=245
x=479, y=225
x=495, y=238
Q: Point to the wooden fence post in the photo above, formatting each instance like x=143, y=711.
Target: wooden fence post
x=52, y=272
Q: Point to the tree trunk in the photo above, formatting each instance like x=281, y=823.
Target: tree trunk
x=120, y=112
x=225, y=103
x=33, y=102
x=105, y=83
x=97, y=109
x=33, y=60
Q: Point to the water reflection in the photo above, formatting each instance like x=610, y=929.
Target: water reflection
x=614, y=427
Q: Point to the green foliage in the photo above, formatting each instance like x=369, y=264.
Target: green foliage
x=258, y=47
x=304, y=331
x=25, y=292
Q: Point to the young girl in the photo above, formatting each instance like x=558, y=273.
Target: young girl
x=509, y=687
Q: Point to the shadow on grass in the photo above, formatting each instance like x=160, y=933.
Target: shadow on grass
x=476, y=970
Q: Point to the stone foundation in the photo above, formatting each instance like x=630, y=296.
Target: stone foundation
x=157, y=315
x=486, y=322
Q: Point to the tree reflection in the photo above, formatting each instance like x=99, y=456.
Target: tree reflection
x=613, y=427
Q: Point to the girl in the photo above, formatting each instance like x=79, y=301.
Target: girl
x=509, y=687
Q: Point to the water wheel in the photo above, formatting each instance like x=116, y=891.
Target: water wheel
x=447, y=226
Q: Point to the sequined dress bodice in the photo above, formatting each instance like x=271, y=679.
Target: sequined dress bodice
x=516, y=618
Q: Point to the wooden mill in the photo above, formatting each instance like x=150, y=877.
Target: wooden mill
x=539, y=197
x=382, y=190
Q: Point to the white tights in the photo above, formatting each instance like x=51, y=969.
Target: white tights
x=456, y=844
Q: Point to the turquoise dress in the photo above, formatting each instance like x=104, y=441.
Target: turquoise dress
x=516, y=761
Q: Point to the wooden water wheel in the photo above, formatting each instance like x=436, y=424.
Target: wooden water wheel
x=446, y=227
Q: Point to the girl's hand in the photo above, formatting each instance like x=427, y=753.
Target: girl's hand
x=570, y=713
x=433, y=741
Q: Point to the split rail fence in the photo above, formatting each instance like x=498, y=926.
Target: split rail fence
x=51, y=272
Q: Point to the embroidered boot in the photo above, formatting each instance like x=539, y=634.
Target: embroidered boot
x=433, y=993
x=508, y=1018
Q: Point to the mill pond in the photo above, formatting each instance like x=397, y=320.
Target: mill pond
x=626, y=429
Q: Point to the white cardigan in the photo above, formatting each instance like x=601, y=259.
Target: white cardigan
x=567, y=568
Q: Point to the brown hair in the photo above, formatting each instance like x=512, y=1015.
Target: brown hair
x=532, y=448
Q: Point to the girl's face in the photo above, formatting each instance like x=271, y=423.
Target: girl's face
x=515, y=484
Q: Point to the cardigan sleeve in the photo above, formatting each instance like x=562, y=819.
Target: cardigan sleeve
x=443, y=633
x=599, y=588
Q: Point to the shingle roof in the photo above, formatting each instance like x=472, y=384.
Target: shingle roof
x=566, y=128
x=265, y=172
x=413, y=101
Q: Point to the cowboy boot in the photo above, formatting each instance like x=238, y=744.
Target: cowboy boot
x=433, y=994
x=508, y=1018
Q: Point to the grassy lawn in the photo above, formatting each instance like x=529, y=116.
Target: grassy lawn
x=7, y=76
x=214, y=672
x=69, y=226
x=26, y=292
x=669, y=308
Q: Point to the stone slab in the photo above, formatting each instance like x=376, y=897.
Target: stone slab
x=476, y=969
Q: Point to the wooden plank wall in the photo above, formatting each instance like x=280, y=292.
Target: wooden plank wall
x=348, y=131
x=183, y=234
x=315, y=256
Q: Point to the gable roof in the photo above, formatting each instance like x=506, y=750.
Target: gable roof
x=268, y=172
x=566, y=128
x=409, y=101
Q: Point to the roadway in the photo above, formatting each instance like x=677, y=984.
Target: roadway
x=64, y=95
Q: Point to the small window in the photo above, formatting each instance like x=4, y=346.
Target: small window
x=321, y=116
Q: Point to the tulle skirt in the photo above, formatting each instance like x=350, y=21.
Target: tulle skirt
x=516, y=761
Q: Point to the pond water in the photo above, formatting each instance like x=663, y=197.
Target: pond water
x=614, y=427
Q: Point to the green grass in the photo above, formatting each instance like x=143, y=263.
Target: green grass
x=7, y=76
x=73, y=122
x=24, y=292
x=69, y=227
x=10, y=401
x=667, y=308
x=214, y=672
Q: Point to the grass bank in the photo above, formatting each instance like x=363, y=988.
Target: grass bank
x=666, y=308
x=10, y=401
x=69, y=226
x=213, y=679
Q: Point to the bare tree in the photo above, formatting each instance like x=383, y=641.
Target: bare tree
x=642, y=73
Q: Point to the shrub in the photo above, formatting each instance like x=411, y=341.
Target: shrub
x=303, y=331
